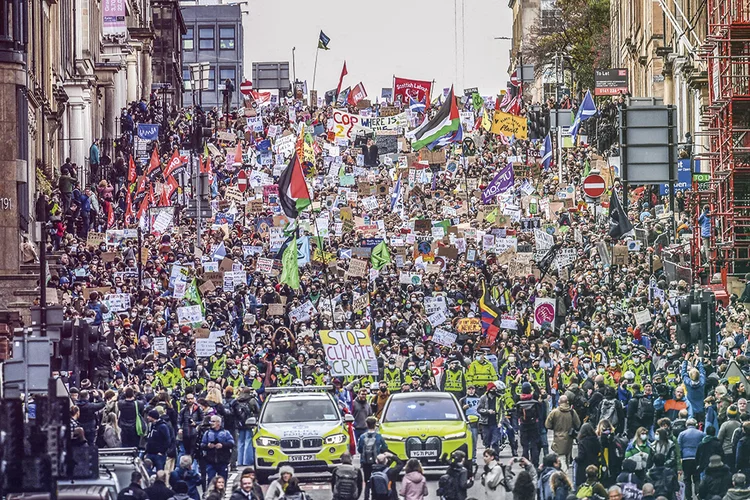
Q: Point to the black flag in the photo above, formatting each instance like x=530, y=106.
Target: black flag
x=545, y=262
x=619, y=224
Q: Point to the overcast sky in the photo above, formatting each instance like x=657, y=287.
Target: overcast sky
x=408, y=38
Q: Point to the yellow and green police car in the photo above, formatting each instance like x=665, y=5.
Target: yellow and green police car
x=426, y=426
x=301, y=427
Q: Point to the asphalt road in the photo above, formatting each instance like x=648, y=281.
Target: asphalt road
x=318, y=487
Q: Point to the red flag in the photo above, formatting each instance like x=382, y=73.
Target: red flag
x=405, y=89
x=141, y=187
x=154, y=163
x=357, y=94
x=128, y=207
x=344, y=72
x=238, y=153
x=110, y=215
x=514, y=79
x=168, y=189
x=144, y=205
x=514, y=107
x=174, y=163
x=206, y=166
x=132, y=173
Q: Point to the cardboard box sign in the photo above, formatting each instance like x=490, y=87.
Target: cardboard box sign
x=620, y=255
x=433, y=157
x=423, y=225
x=449, y=252
x=215, y=277
x=275, y=309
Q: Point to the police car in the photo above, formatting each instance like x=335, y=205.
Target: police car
x=426, y=426
x=301, y=427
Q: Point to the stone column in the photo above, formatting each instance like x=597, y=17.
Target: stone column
x=132, y=78
x=12, y=76
x=146, y=72
x=77, y=129
x=110, y=112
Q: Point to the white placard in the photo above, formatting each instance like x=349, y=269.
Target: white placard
x=205, y=348
x=438, y=318
x=444, y=337
x=189, y=314
x=642, y=317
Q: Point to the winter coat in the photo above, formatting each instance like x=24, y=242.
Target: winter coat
x=689, y=439
x=159, y=491
x=111, y=438
x=159, y=438
x=717, y=481
x=737, y=494
x=561, y=420
x=588, y=454
x=413, y=486
x=709, y=446
x=492, y=479
x=665, y=481
x=361, y=410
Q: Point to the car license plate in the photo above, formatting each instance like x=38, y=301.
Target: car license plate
x=301, y=458
x=423, y=453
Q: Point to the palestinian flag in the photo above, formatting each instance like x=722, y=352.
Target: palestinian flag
x=444, y=128
x=293, y=193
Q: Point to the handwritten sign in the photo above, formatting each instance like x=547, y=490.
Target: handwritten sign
x=349, y=352
x=509, y=125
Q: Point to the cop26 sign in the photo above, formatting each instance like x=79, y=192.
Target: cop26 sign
x=503, y=181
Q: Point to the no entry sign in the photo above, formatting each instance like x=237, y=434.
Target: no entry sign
x=242, y=181
x=594, y=186
x=246, y=87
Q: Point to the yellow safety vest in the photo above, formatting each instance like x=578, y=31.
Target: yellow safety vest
x=481, y=374
x=539, y=376
x=454, y=380
x=409, y=376
x=393, y=379
x=567, y=379
x=284, y=380
x=319, y=378
x=237, y=381
x=218, y=367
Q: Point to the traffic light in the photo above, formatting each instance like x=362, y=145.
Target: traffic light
x=689, y=331
x=12, y=445
x=66, y=339
x=58, y=438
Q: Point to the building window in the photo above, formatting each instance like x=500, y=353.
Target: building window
x=211, y=79
x=227, y=72
x=226, y=37
x=188, y=44
x=206, y=38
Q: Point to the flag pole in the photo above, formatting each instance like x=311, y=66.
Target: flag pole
x=315, y=69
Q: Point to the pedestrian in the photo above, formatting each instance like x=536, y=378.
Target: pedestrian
x=591, y=488
x=717, y=478
x=709, y=447
x=414, y=484
x=385, y=474
x=564, y=422
x=216, y=446
x=369, y=446
x=111, y=431
x=216, y=489
x=133, y=491
x=688, y=442
x=529, y=410
x=278, y=486
x=245, y=408
x=131, y=415
x=739, y=489
x=742, y=458
x=189, y=419
x=361, y=411
x=454, y=484
x=248, y=490
x=159, y=489
x=158, y=441
x=493, y=476
x=663, y=479
x=639, y=451
x=726, y=433
x=551, y=465
x=185, y=472
x=588, y=452
x=347, y=481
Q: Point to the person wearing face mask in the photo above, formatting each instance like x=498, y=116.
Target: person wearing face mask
x=319, y=375
x=539, y=374
x=412, y=373
x=454, y=379
x=379, y=399
x=218, y=361
x=392, y=376
x=233, y=376
x=612, y=374
x=481, y=372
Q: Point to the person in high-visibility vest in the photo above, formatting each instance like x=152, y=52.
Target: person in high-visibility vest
x=539, y=374
x=411, y=373
x=481, y=372
x=233, y=376
x=285, y=378
x=568, y=377
x=454, y=379
x=218, y=362
x=393, y=377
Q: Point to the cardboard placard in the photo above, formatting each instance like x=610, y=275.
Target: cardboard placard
x=215, y=277
x=201, y=333
x=620, y=255
x=207, y=287
x=102, y=290
x=275, y=309
x=357, y=268
x=95, y=239
x=108, y=256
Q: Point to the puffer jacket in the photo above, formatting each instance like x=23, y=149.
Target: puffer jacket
x=414, y=486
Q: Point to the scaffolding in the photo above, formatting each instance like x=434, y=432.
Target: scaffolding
x=727, y=52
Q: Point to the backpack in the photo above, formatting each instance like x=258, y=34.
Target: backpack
x=630, y=490
x=346, y=483
x=645, y=410
x=608, y=411
x=585, y=491
x=447, y=487
x=242, y=413
x=380, y=485
x=529, y=414
x=369, y=448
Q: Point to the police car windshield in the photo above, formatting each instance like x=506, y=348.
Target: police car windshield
x=421, y=408
x=301, y=410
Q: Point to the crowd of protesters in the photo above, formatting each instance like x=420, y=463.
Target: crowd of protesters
x=596, y=402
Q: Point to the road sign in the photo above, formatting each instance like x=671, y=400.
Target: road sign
x=242, y=181
x=594, y=186
x=246, y=87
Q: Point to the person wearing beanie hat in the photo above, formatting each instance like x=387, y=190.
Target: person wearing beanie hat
x=158, y=441
x=726, y=433
x=717, y=478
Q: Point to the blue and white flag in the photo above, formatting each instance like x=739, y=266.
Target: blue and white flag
x=416, y=106
x=585, y=111
x=148, y=131
x=547, y=152
x=303, y=251
x=220, y=252
x=396, y=194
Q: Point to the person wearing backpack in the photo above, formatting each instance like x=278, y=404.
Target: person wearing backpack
x=630, y=485
x=591, y=487
x=639, y=451
x=346, y=480
x=385, y=473
x=454, y=484
x=414, y=484
x=493, y=476
x=640, y=411
x=246, y=406
x=588, y=452
x=530, y=411
x=663, y=478
x=550, y=466
x=369, y=446
x=611, y=409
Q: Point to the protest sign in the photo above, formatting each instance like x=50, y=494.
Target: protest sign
x=362, y=302
x=302, y=313
x=544, y=311
x=509, y=125
x=349, y=352
x=189, y=314
x=469, y=325
x=444, y=337
x=205, y=348
x=438, y=318
x=642, y=317
x=357, y=268
x=95, y=239
x=508, y=322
